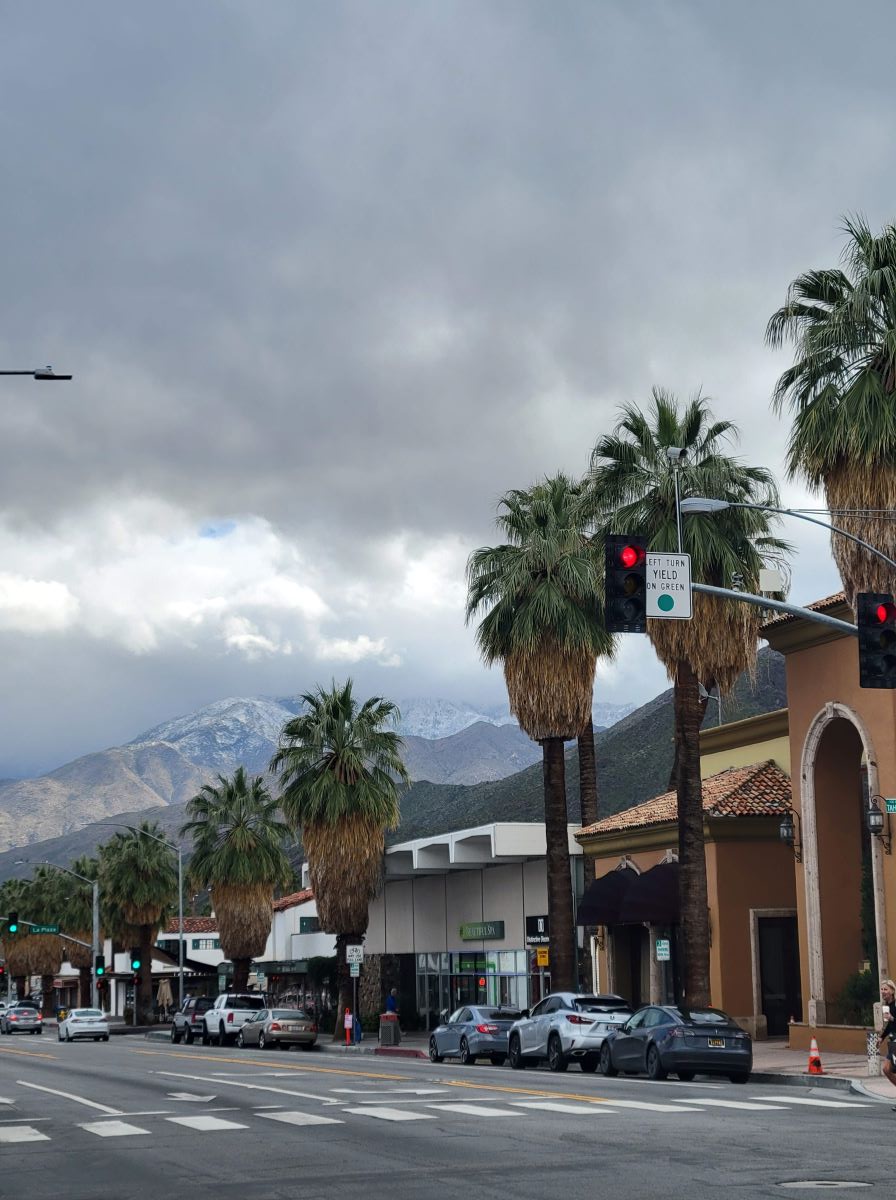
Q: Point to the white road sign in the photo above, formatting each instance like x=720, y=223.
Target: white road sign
x=354, y=953
x=669, y=586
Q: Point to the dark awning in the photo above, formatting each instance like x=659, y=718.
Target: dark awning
x=602, y=899
x=653, y=898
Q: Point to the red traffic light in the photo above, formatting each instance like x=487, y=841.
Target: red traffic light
x=631, y=556
x=885, y=612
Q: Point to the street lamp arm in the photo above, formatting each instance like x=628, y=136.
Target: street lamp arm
x=42, y=373
x=779, y=606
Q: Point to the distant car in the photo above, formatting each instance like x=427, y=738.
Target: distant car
x=84, y=1023
x=21, y=1018
x=473, y=1031
x=566, y=1027
x=280, y=1027
x=187, y=1023
x=686, y=1041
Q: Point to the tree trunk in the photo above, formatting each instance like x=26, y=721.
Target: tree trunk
x=84, y=988
x=589, y=814
x=143, y=994
x=21, y=982
x=241, y=973
x=560, y=912
x=693, y=902
x=48, y=999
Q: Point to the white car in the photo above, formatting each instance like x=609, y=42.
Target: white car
x=84, y=1023
x=566, y=1027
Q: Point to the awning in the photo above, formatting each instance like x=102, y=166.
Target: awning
x=602, y=900
x=653, y=898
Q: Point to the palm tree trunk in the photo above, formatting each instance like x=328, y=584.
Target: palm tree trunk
x=560, y=913
x=143, y=994
x=21, y=982
x=693, y=901
x=343, y=983
x=589, y=814
x=241, y=973
x=84, y=998
x=47, y=1004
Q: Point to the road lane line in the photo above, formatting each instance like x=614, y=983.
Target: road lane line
x=181, y=1055
x=821, y=1103
x=28, y=1053
x=252, y=1087
x=299, y=1118
x=21, y=1133
x=646, y=1106
x=205, y=1124
x=392, y=1114
x=113, y=1129
x=113, y=1112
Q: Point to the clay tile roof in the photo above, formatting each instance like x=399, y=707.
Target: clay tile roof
x=194, y=925
x=759, y=790
x=286, y=902
x=815, y=606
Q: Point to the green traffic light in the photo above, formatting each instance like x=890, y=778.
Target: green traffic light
x=12, y=923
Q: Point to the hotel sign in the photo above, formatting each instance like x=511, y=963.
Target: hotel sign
x=482, y=931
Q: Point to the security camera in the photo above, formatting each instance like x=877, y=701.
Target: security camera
x=676, y=455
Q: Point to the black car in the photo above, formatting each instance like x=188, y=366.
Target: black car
x=685, y=1041
x=187, y=1021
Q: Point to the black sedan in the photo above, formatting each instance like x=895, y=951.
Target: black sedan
x=685, y=1041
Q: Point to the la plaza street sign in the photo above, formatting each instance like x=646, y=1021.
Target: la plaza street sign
x=669, y=586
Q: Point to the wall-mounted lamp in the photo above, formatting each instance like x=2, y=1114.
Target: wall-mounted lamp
x=789, y=833
x=876, y=819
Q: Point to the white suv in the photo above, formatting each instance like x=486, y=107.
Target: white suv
x=222, y=1022
x=564, y=1027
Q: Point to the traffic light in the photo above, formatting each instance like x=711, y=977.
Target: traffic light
x=625, y=584
x=876, y=621
x=12, y=923
x=99, y=965
x=135, y=958
x=2, y=972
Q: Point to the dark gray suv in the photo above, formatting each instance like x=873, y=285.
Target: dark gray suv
x=187, y=1022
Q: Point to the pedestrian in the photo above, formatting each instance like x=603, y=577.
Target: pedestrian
x=888, y=999
x=392, y=1001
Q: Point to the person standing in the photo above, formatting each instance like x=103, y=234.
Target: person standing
x=888, y=1001
x=392, y=1001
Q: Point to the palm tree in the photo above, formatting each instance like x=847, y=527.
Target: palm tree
x=632, y=490
x=543, y=624
x=340, y=765
x=44, y=902
x=238, y=854
x=138, y=878
x=77, y=920
x=14, y=898
x=842, y=392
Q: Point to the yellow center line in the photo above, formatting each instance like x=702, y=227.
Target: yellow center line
x=28, y=1053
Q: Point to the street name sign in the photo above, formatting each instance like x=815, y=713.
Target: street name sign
x=44, y=928
x=669, y=586
x=891, y=805
x=354, y=953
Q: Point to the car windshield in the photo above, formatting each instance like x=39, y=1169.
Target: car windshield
x=289, y=1014
x=702, y=1016
x=253, y=1002
x=500, y=1014
x=600, y=1004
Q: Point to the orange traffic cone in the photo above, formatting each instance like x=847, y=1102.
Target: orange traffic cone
x=815, y=1067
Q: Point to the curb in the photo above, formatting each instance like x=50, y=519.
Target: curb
x=829, y=1082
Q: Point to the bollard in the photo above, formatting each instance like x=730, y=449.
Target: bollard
x=874, y=1061
x=349, y=1022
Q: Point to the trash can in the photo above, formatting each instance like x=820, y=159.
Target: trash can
x=390, y=1032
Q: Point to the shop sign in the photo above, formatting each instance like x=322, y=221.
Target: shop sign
x=482, y=931
x=538, y=931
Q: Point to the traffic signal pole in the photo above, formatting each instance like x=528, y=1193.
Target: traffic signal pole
x=779, y=606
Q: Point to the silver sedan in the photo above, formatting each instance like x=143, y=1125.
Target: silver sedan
x=564, y=1027
x=281, y=1027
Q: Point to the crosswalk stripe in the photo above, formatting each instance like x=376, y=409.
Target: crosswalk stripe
x=22, y=1133
x=745, y=1105
x=808, y=1100
x=299, y=1118
x=476, y=1110
x=599, y=1110
x=205, y=1124
x=390, y=1114
x=646, y=1106
x=112, y=1128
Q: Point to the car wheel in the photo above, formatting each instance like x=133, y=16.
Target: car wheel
x=465, y=1056
x=188, y=1036
x=239, y=1040
x=434, y=1055
x=105, y=1037
x=685, y=1076
x=206, y=1040
x=310, y=1046
x=175, y=1036
x=38, y=1032
x=517, y=1061
x=498, y=1060
x=59, y=1037
x=739, y=1076
x=588, y=1063
x=606, y=1062
x=557, y=1060
x=654, y=1064
x=222, y=1035
x=68, y=1036
x=262, y=1042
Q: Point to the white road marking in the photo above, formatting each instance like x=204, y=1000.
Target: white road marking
x=391, y=1114
x=252, y=1087
x=820, y=1103
x=600, y=1110
x=113, y=1128
x=113, y=1112
x=190, y=1096
x=742, y=1104
x=646, y=1106
x=398, y=1091
x=3, y=1100
x=300, y=1118
x=205, y=1124
x=477, y=1110
x=22, y=1133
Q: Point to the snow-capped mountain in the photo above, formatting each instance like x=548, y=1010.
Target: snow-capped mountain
x=427, y=718
x=226, y=734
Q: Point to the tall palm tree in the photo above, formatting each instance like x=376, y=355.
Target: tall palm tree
x=632, y=490
x=842, y=392
x=544, y=625
x=138, y=878
x=77, y=920
x=14, y=898
x=44, y=902
x=238, y=854
x=340, y=764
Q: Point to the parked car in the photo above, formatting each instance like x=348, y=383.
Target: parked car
x=279, y=1027
x=565, y=1027
x=231, y=1010
x=21, y=1018
x=187, y=1023
x=84, y=1023
x=473, y=1031
x=686, y=1041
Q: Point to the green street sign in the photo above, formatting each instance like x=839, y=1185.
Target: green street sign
x=480, y=931
x=891, y=805
x=44, y=928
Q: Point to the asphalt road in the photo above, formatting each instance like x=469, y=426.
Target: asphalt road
x=136, y=1118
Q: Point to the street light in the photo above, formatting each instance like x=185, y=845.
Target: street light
x=42, y=373
x=705, y=695
x=95, y=944
x=705, y=504
x=676, y=456
x=180, y=894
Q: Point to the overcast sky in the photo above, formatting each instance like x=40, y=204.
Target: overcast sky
x=331, y=277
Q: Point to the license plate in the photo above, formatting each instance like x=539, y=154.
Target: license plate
x=716, y=1042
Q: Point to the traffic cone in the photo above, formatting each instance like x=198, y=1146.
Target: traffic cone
x=815, y=1067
